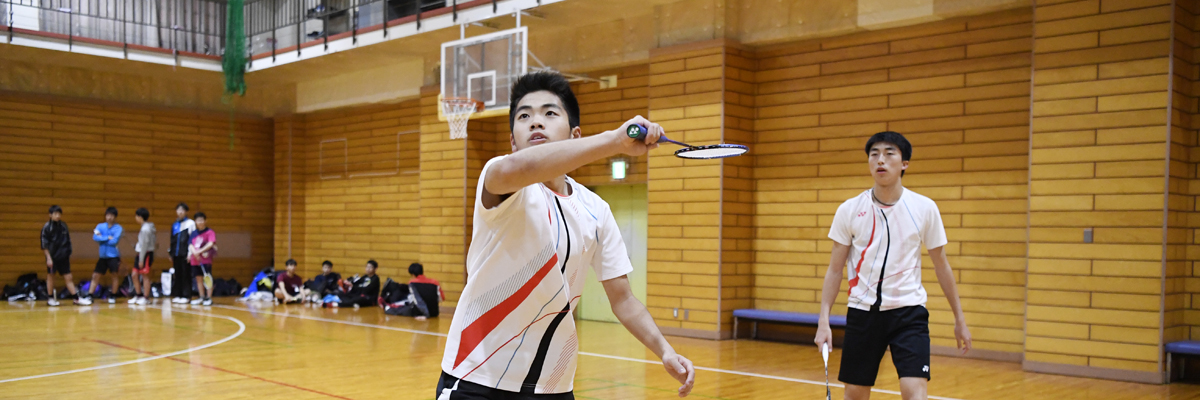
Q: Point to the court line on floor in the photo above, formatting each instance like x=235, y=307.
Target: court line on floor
x=241, y=329
x=285, y=384
x=249, y=310
x=751, y=374
x=733, y=372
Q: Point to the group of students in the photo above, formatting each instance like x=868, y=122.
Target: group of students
x=329, y=289
x=192, y=248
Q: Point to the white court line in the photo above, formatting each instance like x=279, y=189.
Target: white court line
x=751, y=374
x=241, y=328
x=247, y=309
x=726, y=371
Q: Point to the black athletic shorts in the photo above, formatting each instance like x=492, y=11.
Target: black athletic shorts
x=201, y=270
x=463, y=390
x=104, y=265
x=870, y=333
x=62, y=266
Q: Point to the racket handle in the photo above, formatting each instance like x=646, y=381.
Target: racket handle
x=825, y=352
x=639, y=132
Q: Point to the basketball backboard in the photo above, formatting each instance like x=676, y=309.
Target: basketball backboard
x=484, y=68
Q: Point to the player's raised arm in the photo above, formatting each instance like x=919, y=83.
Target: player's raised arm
x=554, y=159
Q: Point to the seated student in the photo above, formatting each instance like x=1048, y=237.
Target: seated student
x=323, y=284
x=364, y=289
x=288, y=284
x=429, y=289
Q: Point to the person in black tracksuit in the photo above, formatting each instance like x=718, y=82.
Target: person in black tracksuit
x=364, y=290
x=56, y=245
x=181, y=234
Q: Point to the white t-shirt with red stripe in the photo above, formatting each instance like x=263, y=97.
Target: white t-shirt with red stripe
x=512, y=328
x=886, y=241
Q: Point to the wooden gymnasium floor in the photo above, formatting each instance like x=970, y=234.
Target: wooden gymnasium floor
x=231, y=351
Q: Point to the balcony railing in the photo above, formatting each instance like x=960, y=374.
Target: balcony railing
x=198, y=26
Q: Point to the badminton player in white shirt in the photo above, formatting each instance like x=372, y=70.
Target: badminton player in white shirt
x=877, y=238
x=535, y=234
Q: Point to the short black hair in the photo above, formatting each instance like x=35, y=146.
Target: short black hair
x=111, y=210
x=373, y=264
x=289, y=262
x=543, y=80
x=200, y=214
x=143, y=212
x=55, y=209
x=327, y=262
x=416, y=269
x=893, y=138
x=181, y=205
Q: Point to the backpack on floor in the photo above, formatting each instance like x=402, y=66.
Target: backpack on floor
x=393, y=292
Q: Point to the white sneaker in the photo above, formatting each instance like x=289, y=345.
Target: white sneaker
x=52, y=302
x=83, y=301
x=112, y=300
x=197, y=301
x=132, y=300
x=207, y=302
x=141, y=301
x=178, y=300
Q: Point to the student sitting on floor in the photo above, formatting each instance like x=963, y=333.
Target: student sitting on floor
x=322, y=285
x=288, y=285
x=364, y=289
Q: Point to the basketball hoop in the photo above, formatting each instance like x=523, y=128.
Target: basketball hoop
x=458, y=112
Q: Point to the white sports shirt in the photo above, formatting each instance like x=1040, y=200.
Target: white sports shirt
x=886, y=241
x=512, y=329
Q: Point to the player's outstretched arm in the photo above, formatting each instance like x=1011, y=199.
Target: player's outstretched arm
x=633, y=314
x=941, y=266
x=829, y=291
x=551, y=160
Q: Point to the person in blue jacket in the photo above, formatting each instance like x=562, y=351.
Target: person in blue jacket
x=108, y=235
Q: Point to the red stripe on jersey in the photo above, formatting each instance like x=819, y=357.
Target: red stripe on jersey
x=857, y=269
x=474, y=334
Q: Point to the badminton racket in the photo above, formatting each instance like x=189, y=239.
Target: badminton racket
x=825, y=358
x=721, y=150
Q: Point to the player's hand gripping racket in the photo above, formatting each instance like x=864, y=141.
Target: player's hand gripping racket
x=711, y=151
x=825, y=357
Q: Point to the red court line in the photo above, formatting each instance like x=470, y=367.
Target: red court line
x=107, y=343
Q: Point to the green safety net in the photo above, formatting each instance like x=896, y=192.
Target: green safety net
x=234, y=60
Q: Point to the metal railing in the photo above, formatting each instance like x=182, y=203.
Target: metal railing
x=198, y=26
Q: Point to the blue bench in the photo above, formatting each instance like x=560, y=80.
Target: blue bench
x=1186, y=347
x=782, y=317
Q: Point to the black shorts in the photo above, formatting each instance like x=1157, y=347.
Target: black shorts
x=470, y=391
x=104, y=265
x=870, y=333
x=62, y=266
x=201, y=270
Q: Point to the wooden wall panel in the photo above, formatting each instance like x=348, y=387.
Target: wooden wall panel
x=1182, y=312
x=354, y=188
x=86, y=156
x=1098, y=161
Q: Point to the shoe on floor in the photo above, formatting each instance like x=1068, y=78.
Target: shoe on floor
x=197, y=301
x=112, y=300
x=132, y=300
x=141, y=301
x=207, y=302
x=52, y=302
x=83, y=301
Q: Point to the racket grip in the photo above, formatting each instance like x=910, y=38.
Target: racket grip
x=825, y=352
x=639, y=132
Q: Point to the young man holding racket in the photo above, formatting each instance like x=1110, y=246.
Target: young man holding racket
x=535, y=233
x=880, y=233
